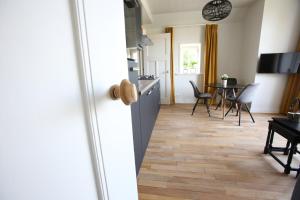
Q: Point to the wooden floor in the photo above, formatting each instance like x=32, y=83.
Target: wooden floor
x=197, y=157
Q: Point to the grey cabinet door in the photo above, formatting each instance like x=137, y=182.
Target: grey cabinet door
x=137, y=137
x=146, y=121
x=157, y=98
x=149, y=107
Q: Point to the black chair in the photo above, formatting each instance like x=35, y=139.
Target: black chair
x=199, y=95
x=296, y=191
x=230, y=81
x=243, y=98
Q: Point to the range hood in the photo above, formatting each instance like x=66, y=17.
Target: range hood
x=145, y=41
x=132, y=3
x=133, y=24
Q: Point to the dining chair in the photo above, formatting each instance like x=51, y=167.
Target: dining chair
x=230, y=81
x=199, y=95
x=244, y=97
x=296, y=191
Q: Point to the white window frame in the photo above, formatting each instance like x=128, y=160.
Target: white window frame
x=181, y=68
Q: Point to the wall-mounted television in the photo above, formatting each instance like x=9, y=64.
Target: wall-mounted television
x=282, y=63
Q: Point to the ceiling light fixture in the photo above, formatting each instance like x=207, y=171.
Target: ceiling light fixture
x=216, y=10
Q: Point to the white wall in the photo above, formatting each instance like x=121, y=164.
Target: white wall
x=44, y=147
x=183, y=89
x=251, y=39
x=280, y=33
x=230, y=37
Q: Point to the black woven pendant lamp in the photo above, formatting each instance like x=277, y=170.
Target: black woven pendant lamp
x=216, y=10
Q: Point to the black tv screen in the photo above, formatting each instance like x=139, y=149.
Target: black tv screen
x=285, y=63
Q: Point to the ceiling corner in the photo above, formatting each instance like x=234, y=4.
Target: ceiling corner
x=147, y=17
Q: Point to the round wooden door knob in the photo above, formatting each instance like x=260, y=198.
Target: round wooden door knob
x=126, y=91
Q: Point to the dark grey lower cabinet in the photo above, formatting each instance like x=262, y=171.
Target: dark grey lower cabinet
x=137, y=137
x=157, y=98
x=149, y=105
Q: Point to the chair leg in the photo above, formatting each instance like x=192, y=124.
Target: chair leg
x=248, y=110
x=219, y=104
x=236, y=107
x=195, y=106
x=207, y=106
x=231, y=107
x=240, y=113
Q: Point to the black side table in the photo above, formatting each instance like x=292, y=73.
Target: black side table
x=289, y=130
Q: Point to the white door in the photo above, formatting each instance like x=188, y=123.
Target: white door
x=157, y=62
x=61, y=135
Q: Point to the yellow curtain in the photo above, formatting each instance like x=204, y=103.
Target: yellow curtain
x=210, y=55
x=172, y=92
x=292, y=89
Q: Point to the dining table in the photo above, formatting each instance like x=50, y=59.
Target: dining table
x=224, y=89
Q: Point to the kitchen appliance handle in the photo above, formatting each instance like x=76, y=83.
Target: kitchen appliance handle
x=134, y=69
x=149, y=92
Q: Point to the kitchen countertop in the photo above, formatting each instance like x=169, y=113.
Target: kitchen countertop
x=144, y=85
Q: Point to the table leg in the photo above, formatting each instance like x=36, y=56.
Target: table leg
x=271, y=139
x=236, y=105
x=223, y=102
x=286, y=151
x=287, y=167
x=213, y=97
x=267, y=141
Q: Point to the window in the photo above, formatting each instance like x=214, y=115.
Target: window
x=190, y=58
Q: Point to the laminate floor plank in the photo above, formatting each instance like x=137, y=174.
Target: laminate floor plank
x=206, y=158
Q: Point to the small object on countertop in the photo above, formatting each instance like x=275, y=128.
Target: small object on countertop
x=147, y=77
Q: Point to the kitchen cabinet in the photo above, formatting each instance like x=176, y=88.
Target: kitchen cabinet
x=157, y=98
x=149, y=105
x=149, y=108
x=135, y=116
x=137, y=137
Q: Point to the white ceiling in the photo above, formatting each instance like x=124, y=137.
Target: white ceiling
x=169, y=6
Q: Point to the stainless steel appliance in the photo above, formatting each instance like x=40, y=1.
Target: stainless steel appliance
x=136, y=54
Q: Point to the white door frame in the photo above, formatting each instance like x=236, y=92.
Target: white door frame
x=89, y=99
x=166, y=58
